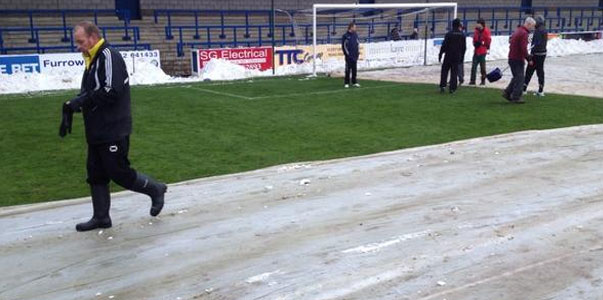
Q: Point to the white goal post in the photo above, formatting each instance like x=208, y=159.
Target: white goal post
x=317, y=7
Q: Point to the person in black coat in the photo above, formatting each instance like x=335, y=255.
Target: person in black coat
x=414, y=35
x=351, y=51
x=104, y=100
x=537, y=56
x=394, y=34
x=453, y=47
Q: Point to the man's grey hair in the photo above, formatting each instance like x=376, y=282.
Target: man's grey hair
x=530, y=21
x=90, y=28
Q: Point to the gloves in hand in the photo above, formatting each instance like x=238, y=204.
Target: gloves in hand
x=440, y=58
x=69, y=107
x=477, y=44
x=66, y=120
x=76, y=103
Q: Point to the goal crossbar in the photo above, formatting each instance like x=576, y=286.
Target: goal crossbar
x=318, y=6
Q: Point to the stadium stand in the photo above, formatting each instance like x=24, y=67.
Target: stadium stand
x=174, y=27
x=51, y=30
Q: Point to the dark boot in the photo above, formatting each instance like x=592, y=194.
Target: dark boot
x=101, y=203
x=506, y=95
x=156, y=190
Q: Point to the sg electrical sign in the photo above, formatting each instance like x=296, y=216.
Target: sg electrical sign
x=13, y=64
x=259, y=58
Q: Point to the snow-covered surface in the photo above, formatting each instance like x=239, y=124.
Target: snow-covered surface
x=517, y=216
x=571, y=75
x=148, y=74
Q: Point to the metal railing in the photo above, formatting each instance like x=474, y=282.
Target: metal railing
x=501, y=20
x=285, y=34
x=133, y=32
x=64, y=13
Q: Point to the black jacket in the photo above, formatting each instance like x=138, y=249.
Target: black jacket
x=106, y=104
x=454, y=46
x=350, y=46
x=539, y=41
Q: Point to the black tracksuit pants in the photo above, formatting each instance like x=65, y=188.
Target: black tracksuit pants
x=451, y=67
x=539, y=68
x=515, y=87
x=109, y=161
x=351, y=68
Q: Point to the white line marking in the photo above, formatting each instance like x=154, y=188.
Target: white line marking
x=293, y=94
x=222, y=93
x=341, y=90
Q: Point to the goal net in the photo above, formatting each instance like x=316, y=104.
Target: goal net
x=390, y=35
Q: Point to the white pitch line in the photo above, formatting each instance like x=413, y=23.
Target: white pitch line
x=222, y=93
x=294, y=94
x=324, y=92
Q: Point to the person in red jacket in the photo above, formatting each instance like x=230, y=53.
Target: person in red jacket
x=518, y=54
x=481, y=41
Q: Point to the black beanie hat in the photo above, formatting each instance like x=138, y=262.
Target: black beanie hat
x=456, y=23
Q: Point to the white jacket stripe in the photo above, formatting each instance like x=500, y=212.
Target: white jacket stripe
x=97, y=87
x=108, y=69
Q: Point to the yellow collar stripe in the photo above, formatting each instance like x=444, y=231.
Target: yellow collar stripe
x=89, y=57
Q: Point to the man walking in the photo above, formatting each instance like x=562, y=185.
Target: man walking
x=453, y=47
x=538, y=55
x=518, y=54
x=481, y=41
x=104, y=100
x=461, y=68
x=350, y=47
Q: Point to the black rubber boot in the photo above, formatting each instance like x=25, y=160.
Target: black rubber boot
x=155, y=190
x=101, y=203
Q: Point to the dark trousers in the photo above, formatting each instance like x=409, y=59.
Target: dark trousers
x=481, y=61
x=461, y=71
x=109, y=161
x=351, y=68
x=515, y=87
x=452, y=68
x=539, y=68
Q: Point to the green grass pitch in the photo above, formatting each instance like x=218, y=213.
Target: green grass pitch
x=203, y=129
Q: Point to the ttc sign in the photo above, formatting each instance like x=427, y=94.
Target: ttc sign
x=19, y=64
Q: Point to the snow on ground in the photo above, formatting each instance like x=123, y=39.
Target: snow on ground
x=517, y=216
x=573, y=75
x=148, y=74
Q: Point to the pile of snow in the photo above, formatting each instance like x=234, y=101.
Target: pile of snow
x=561, y=47
x=147, y=73
x=556, y=47
x=220, y=69
x=28, y=82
